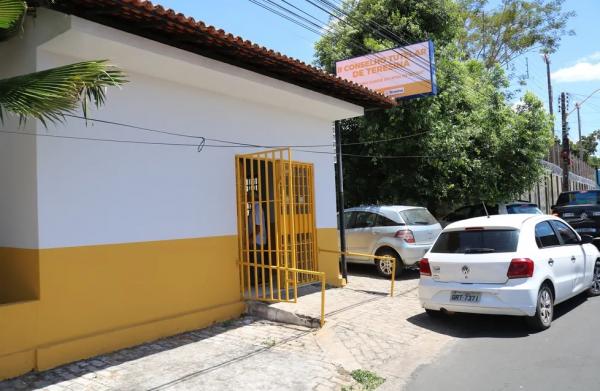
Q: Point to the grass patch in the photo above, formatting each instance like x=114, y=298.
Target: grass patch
x=269, y=342
x=367, y=379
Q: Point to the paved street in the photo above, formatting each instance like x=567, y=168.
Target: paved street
x=365, y=329
x=497, y=353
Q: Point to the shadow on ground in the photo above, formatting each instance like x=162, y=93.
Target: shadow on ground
x=36, y=380
x=489, y=326
x=366, y=270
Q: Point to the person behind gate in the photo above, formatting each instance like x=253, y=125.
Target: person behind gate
x=258, y=230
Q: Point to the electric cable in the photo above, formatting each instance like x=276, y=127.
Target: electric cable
x=200, y=146
x=394, y=37
x=361, y=48
x=233, y=144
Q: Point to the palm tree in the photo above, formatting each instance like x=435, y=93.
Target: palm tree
x=49, y=94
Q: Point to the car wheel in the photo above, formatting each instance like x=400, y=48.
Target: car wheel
x=544, y=312
x=595, y=288
x=384, y=266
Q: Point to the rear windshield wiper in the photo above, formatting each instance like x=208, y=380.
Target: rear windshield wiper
x=479, y=250
x=421, y=222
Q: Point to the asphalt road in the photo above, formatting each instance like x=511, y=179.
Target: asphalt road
x=500, y=353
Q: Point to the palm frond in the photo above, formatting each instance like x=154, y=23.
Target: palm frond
x=49, y=94
x=12, y=15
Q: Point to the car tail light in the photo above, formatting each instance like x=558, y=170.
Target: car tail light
x=405, y=234
x=424, y=267
x=520, y=268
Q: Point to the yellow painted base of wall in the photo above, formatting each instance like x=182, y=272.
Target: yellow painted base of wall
x=329, y=263
x=97, y=299
x=16, y=364
x=22, y=267
x=53, y=355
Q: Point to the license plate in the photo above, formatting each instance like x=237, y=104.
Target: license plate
x=467, y=297
x=584, y=230
x=568, y=214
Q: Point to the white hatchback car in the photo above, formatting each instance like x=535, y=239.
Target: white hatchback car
x=508, y=265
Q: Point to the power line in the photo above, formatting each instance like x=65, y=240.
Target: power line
x=369, y=156
x=233, y=144
x=376, y=28
x=134, y=126
x=303, y=21
x=417, y=60
x=199, y=146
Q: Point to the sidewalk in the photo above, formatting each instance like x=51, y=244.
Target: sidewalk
x=365, y=329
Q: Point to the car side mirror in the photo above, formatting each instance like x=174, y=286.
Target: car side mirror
x=585, y=239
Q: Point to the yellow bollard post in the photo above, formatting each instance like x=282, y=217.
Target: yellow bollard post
x=322, y=299
x=393, y=276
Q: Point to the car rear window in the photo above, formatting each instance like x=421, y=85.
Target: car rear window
x=480, y=241
x=523, y=208
x=417, y=217
x=579, y=198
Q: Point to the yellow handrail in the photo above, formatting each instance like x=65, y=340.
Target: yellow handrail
x=294, y=270
x=386, y=257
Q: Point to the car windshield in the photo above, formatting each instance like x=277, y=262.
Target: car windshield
x=579, y=198
x=417, y=217
x=523, y=208
x=480, y=241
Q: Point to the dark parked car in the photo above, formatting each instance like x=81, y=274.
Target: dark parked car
x=470, y=211
x=581, y=209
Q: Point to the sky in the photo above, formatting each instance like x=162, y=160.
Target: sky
x=575, y=67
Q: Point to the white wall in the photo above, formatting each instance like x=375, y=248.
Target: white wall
x=18, y=191
x=93, y=193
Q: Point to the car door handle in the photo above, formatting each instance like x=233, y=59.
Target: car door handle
x=572, y=258
x=551, y=262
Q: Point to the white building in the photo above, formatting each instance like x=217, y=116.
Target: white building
x=107, y=244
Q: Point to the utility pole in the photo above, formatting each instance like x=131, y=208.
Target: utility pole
x=566, y=150
x=577, y=105
x=339, y=179
x=550, y=99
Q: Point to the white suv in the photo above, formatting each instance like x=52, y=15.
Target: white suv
x=403, y=232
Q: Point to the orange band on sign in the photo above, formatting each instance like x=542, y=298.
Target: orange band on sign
x=396, y=73
x=401, y=90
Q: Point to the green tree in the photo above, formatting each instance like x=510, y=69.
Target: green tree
x=499, y=35
x=588, y=145
x=468, y=143
x=49, y=94
x=594, y=161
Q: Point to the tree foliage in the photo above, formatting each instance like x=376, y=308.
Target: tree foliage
x=49, y=94
x=466, y=144
x=588, y=145
x=377, y=24
x=12, y=14
x=498, y=36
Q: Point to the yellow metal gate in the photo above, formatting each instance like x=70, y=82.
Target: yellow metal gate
x=276, y=225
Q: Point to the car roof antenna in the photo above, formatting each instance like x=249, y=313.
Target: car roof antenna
x=485, y=209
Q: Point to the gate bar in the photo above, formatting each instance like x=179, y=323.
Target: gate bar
x=386, y=257
x=294, y=270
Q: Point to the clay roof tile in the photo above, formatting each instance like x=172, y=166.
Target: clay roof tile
x=140, y=17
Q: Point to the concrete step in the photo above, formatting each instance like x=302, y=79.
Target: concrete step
x=268, y=312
